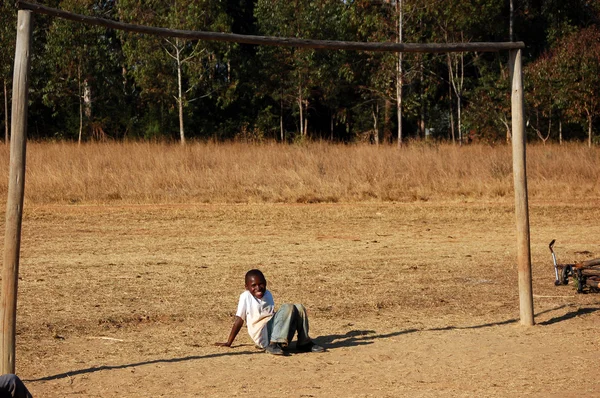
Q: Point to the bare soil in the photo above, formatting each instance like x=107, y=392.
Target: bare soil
x=416, y=299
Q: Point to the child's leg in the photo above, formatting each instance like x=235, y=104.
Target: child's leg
x=288, y=320
x=305, y=344
x=284, y=324
x=302, y=325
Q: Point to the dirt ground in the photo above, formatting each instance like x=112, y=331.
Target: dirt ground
x=416, y=300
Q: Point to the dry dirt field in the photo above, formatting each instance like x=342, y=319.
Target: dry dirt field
x=410, y=299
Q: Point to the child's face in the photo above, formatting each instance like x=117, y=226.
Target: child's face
x=257, y=286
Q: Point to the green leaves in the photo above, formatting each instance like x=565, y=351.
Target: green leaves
x=566, y=79
x=85, y=78
x=171, y=71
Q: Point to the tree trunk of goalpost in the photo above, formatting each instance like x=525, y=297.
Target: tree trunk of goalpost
x=16, y=190
x=520, y=185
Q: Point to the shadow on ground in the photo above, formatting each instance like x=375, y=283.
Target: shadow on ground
x=352, y=338
x=362, y=337
x=130, y=365
x=570, y=315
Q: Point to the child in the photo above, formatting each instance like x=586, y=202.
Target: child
x=270, y=330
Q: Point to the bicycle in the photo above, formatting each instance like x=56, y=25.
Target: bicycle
x=586, y=274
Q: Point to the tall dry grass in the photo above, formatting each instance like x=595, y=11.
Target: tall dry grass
x=316, y=172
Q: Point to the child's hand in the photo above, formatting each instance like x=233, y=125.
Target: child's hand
x=237, y=325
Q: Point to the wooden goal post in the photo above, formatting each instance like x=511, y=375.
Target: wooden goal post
x=16, y=186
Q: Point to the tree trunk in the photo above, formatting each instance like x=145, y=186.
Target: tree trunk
x=180, y=94
x=451, y=110
x=589, y=130
x=180, y=106
x=560, y=132
x=306, y=125
x=457, y=84
x=124, y=76
x=331, y=128
x=179, y=49
x=462, y=79
x=375, y=113
x=457, y=81
x=300, y=109
x=87, y=99
x=399, y=77
x=458, y=115
x=421, y=97
x=387, y=131
x=537, y=130
x=549, y=126
x=507, y=127
x=281, y=117
x=510, y=22
x=80, y=95
x=5, y=113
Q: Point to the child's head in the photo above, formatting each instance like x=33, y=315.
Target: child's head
x=256, y=283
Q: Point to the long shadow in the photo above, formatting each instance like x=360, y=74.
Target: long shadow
x=350, y=339
x=130, y=365
x=569, y=315
x=357, y=337
x=362, y=337
x=500, y=323
x=485, y=325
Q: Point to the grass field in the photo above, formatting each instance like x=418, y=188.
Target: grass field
x=314, y=173
x=131, y=268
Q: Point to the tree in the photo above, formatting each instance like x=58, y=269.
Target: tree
x=95, y=80
x=81, y=63
x=399, y=70
x=577, y=61
x=8, y=26
x=286, y=69
x=460, y=21
x=541, y=85
x=374, y=74
x=296, y=77
x=388, y=78
x=173, y=69
x=489, y=116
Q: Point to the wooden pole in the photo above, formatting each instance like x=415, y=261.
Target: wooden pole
x=520, y=182
x=16, y=190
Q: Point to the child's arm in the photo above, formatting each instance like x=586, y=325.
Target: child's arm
x=235, y=329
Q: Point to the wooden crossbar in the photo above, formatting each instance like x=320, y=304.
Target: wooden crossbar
x=275, y=41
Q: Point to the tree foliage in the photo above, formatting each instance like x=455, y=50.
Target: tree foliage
x=93, y=83
x=8, y=23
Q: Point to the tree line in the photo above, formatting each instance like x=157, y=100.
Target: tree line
x=92, y=83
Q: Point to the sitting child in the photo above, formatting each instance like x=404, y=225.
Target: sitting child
x=270, y=330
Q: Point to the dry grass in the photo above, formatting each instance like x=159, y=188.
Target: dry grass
x=318, y=172
x=126, y=300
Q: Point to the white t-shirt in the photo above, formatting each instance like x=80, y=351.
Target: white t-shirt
x=256, y=313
